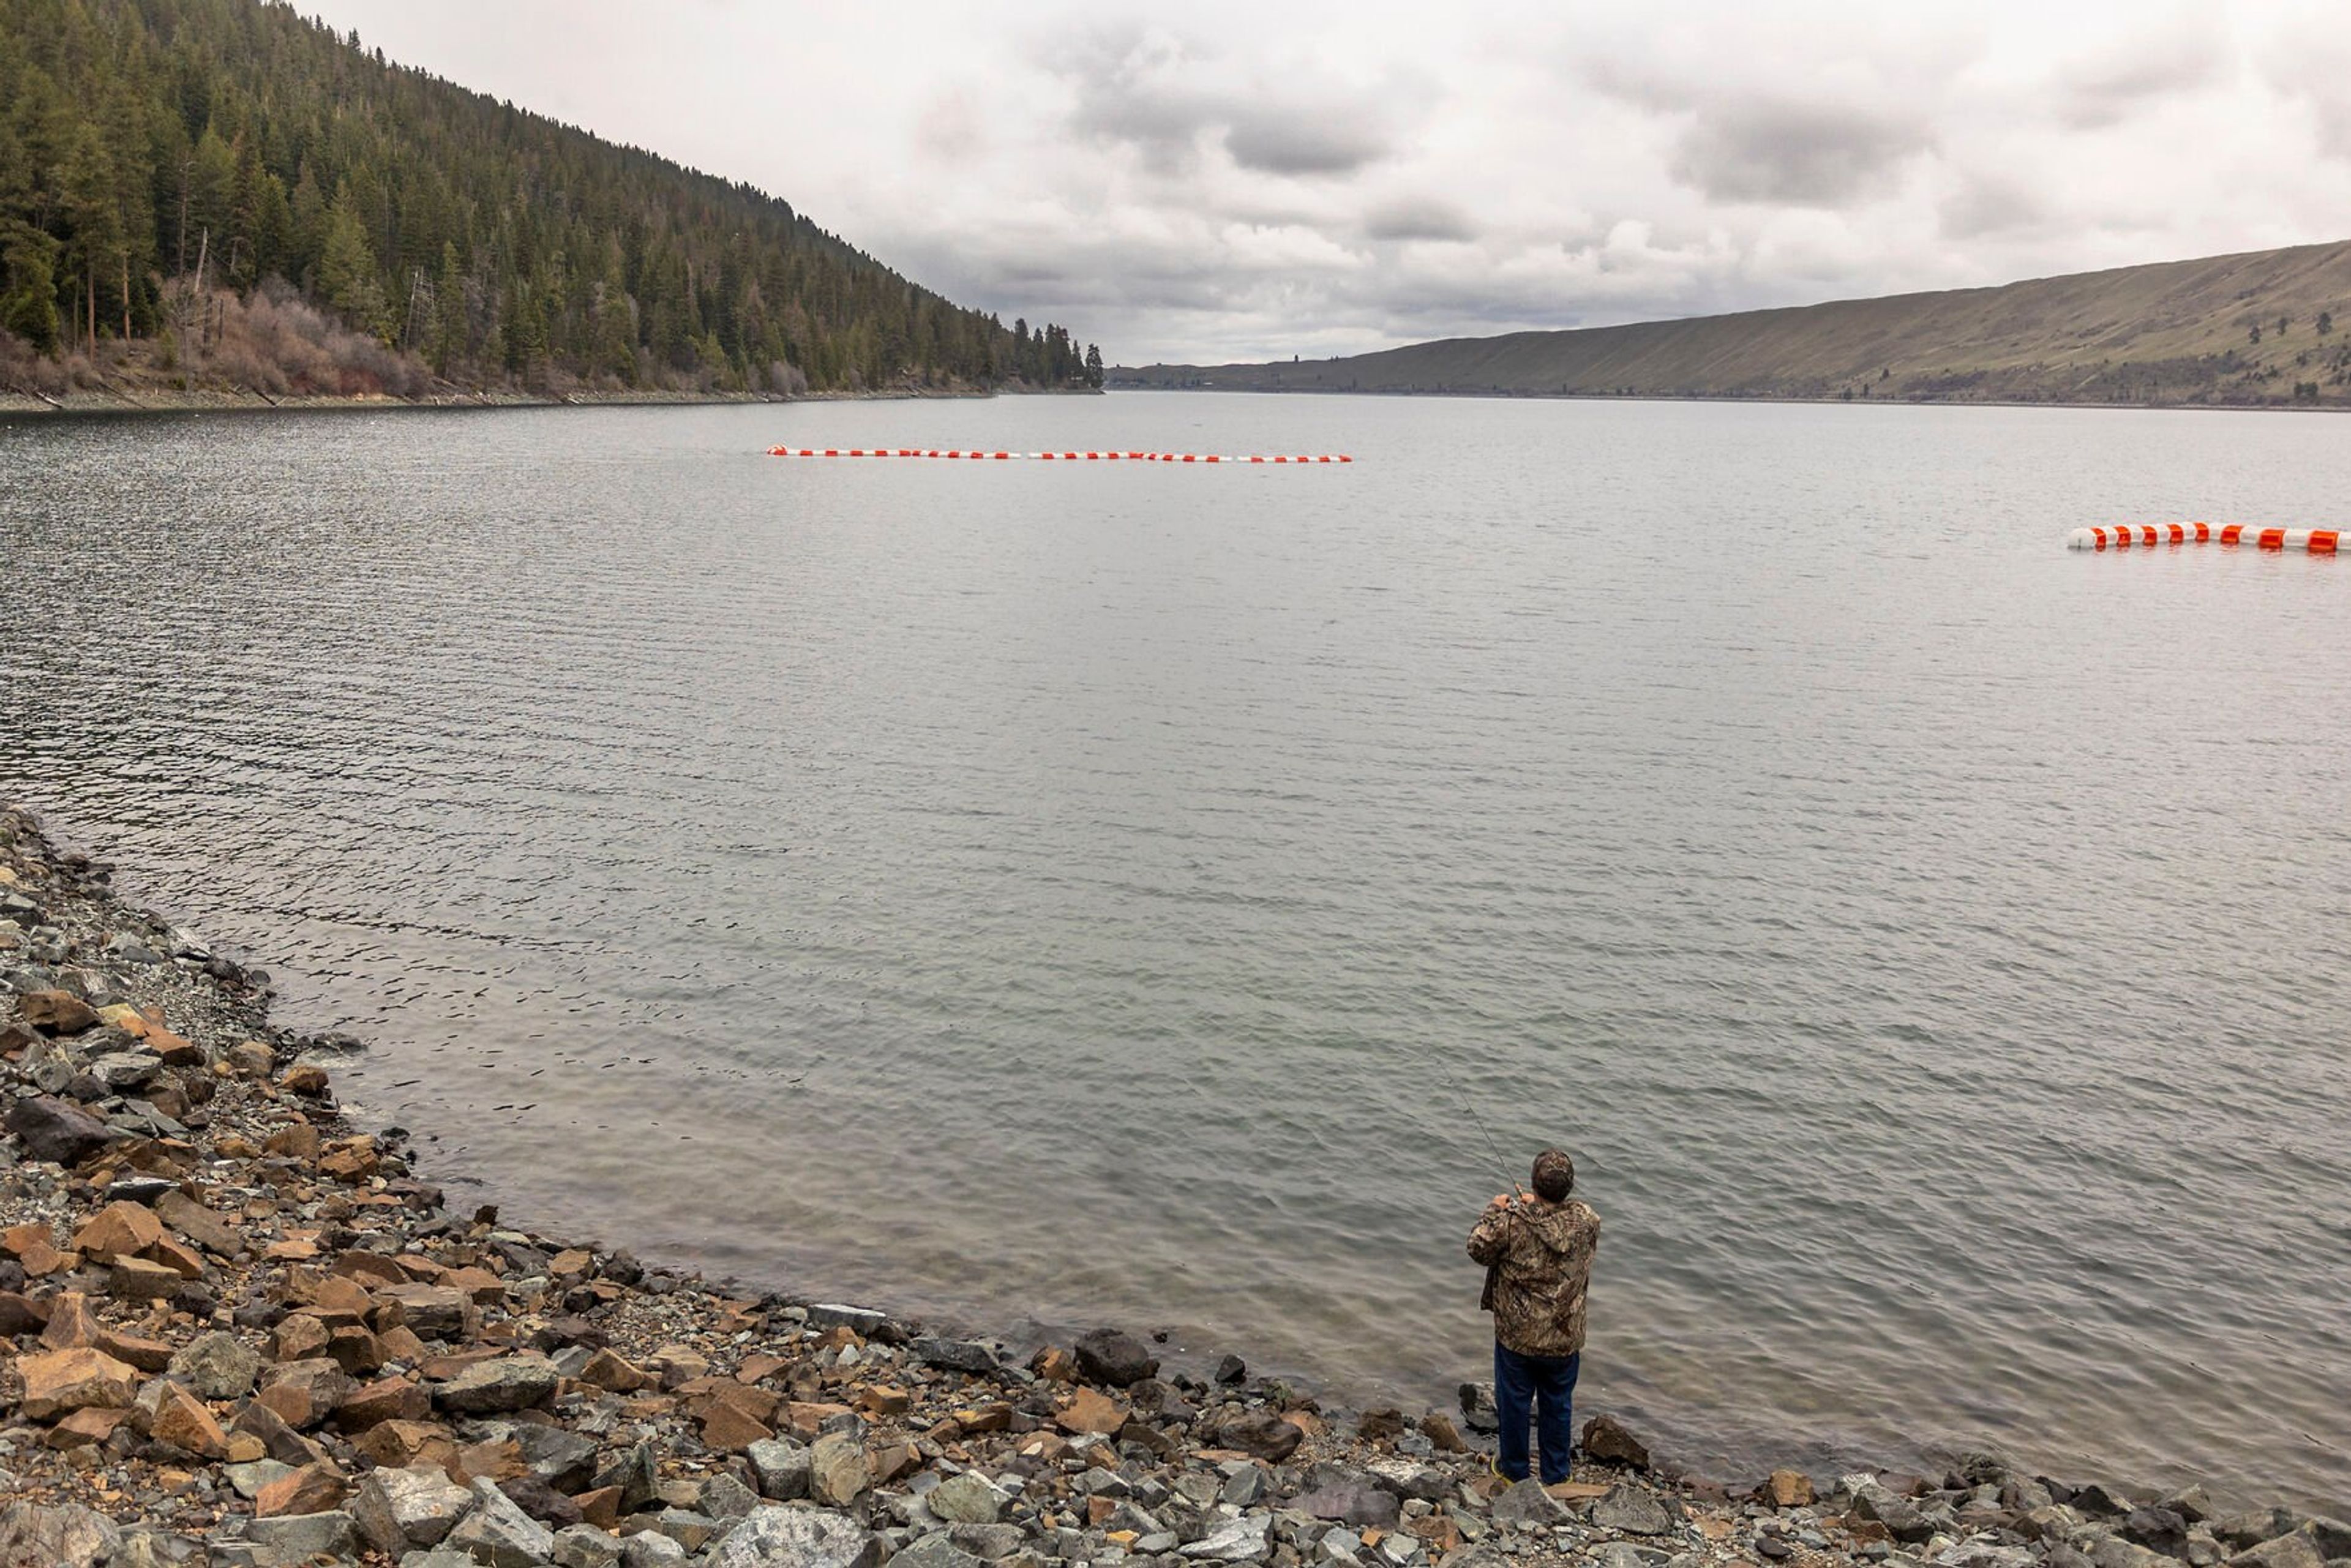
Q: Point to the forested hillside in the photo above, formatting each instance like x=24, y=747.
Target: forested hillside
x=2248, y=330
x=222, y=192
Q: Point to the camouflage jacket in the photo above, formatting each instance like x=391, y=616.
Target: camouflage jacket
x=1538, y=1259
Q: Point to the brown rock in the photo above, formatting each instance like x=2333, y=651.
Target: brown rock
x=727, y=1429
x=760, y=1368
x=498, y=1462
x=307, y=1079
x=118, y=1231
x=397, y=1445
x=250, y=1058
x=21, y=1314
x=399, y=1345
x=486, y=1288
x=176, y=1050
x=805, y=1417
x=601, y=1508
x=1378, y=1426
x=1261, y=1434
x=611, y=1372
x=200, y=1225
x=351, y=1161
x=372, y=1270
x=299, y=1336
x=430, y=1312
x=304, y=1393
x=39, y=1259
x=55, y=1012
x=244, y=1447
x=59, y=1381
x=150, y=1355
x=1091, y=1411
x=985, y=1418
x=282, y=1442
x=18, y=1239
x=892, y=1460
x=1607, y=1440
x=386, y=1399
x=354, y=1350
x=297, y=1140
x=178, y=1257
x=1054, y=1364
x=84, y=1428
x=340, y=1297
x=313, y=1489
x=180, y=1419
x=1789, y=1488
x=677, y=1365
x=1442, y=1434
x=72, y=1325
x=137, y=1279
x=881, y=1399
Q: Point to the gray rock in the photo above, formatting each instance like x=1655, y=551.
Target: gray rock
x=725, y=1497
x=2191, y=1503
x=510, y=1383
x=216, y=1367
x=1245, y=1487
x=780, y=1537
x=497, y=1533
x=967, y=1499
x=125, y=1071
x=1900, y=1516
x=1477, y=1411
x=561, y=1457
x=633, y=1472
x=2102, y=1500
x=1355, y=1500
x=249, y=1479
x=1242, y=1540
x=690, y=1528
x=1634, y=1510
x=584, y=1546
x=860, y=1321
x=159, y=1549
x=131, y=950
x=936, y=1550
x=1624, y=1554
x=2294, y=1550
x=838, y=1473
x=2331, y=1536
x=1526, y=1502
x=992, y=1541
x=425, y=1505
x=781, y=1467
x=2157, y=1530
x=306, y=1535
x=2114, y=1552
x=53, y=1130
x=1342, y=1548
x=440, y=1557
x=1407, y=1479
x=1106, y=1355
x=651, y=1548
x=2241, y=1530
x=965, y=1355
x=1261, y=1434
x=68, y=1536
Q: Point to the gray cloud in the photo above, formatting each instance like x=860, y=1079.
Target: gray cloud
x=1812, y=154
x=1418, y=218
x=1990, y=204
x=1287, y=140
x=2104, y=90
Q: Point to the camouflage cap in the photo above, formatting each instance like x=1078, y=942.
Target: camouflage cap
x=1555, y=1174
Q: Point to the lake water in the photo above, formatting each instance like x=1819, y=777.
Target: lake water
x=1044, y=894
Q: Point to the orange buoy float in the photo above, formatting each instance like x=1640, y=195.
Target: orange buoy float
x=2146, y=536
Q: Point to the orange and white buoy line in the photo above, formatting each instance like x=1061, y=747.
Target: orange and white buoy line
x=2146, y=536
x=1049, y=457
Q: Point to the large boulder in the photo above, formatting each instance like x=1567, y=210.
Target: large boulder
x=1106, y=1355
x=1261, y=1434
x=510, y=1383
x=57, y=1131
x=65, y=1537
x=216, y=1366
x=779, y=1537
x=498, y=1533
x=59, y=1382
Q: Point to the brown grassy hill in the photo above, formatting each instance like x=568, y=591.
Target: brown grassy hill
x=2242, y=330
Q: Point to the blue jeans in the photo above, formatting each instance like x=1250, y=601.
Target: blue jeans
x=1523, y=1383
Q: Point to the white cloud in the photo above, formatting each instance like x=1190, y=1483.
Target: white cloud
x=1236, y=181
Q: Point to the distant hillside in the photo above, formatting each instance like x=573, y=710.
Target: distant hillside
x=216, y=193
x=2253, y=330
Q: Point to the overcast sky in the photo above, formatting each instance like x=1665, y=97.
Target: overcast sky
x=1211, y=182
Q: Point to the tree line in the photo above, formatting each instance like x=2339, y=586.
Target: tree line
x=155, y=155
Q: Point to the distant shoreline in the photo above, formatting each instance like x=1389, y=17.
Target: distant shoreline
x=1503, y=394
x=84, y=403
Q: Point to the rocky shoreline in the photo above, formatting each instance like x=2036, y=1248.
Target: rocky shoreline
x=238, y=1330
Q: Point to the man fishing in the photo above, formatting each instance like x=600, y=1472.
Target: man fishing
x=1538, y=1255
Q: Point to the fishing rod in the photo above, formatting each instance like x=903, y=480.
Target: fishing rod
x=1480, y=1123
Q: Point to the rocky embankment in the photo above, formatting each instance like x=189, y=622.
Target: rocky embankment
x=240, y=1331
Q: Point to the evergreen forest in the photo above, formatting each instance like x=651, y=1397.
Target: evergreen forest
x=222, y=192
